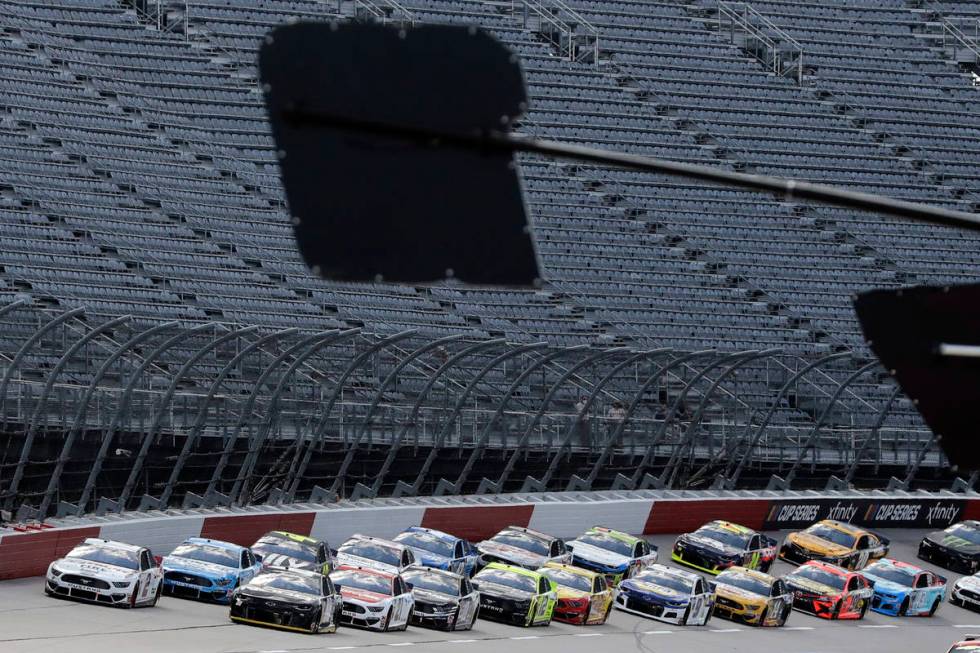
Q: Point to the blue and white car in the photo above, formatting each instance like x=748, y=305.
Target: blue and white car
x=667, y=594
x=614, y=554
x=440, y=550
x=901, y=589
x=209, y=570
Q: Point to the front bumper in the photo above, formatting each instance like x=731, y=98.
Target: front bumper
x=96, y=593
x=886, y=604
x=650, y=608
x=285, y=618
x=197, y=592
x=968, y=599
x=701, y=560
x=939, y=555
x=423, y=615
x=734, y=611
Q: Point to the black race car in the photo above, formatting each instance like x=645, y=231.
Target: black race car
x=442, y=599
x=280, y=549
x=304, y=601
x=956, y=548
x=720, y=545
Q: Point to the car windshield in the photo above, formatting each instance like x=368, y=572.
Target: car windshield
x=106, y=555
x=568, y=579
x=745, y=582
x=204, y=553
x=291, y=582
x=726, y=537
x=831, y=534
x=603, y=541
x=820, y=576
x=270, y=545
x=361, y=581
x=508, y=579
x=434, y=582
x=904, y=577
x=967, y=532
x=428, y=543
x=522, y=541
x=373, y=551
x=670, y=581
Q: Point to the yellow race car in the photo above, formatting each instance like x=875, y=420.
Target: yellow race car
x=752, y=597
x=844, y=545
x=584, y=597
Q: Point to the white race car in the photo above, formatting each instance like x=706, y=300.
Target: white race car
x=103, y=571
x=966, y=592
x=667, y=594
x=366, y=552
x=374, y=599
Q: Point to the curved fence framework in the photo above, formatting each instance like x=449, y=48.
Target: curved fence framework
x=109, y=415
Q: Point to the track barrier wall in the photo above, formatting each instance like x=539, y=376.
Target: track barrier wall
x=27, y=550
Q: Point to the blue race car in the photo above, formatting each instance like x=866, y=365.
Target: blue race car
x=666, y=594
x=901, y=589
x=208, y=570
x=440, y=550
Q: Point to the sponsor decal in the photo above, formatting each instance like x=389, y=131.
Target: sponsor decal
x=909, y=513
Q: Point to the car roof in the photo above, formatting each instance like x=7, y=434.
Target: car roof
x=413, y=571
x=529, y=531
x=441, y=535
x=286, y=535
x=219, y=544
x=366, y=571
x=304, y=573
x=112, y=544
x=751, y=573
x=619, y=535
x=358, y=537
x=826, y=566
x=891, y=562
x=578, y=571
x=679, y=573
x=730, y=526
x=513, y=569
x=850, y=529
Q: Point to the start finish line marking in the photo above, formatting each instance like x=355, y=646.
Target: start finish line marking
x=877, y=626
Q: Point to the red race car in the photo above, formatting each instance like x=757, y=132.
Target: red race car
x=829, y=591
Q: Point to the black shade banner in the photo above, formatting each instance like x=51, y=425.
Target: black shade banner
x=878, y=513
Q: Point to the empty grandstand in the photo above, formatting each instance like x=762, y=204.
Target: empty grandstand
x=162, y=342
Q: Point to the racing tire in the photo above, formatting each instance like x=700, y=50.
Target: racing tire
x=384, y=627
x=935, y=606
x=132, y=599
x=707, y=617
x=835, y=613
x=687, y=613
x=952, y=599
x=865, y=604
x=608, y=612
x=315, y=624
x=904, y=608
x=783, y=618
x=763, y=617
x=156, y=596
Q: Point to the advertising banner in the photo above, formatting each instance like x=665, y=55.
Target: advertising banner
x=909, y=512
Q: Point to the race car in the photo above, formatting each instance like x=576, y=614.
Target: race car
x=515, y=595
x=969, y=644
x=443, y=599
x=103, y=571
x=523, y=547
x=956, y=548
x=293, y=599
x=205, y=569
x=829, y=591
x=752, y=597
x=666, y=594
x=439, y=550
x=291, y=551
x=966, y=592
x=379, y=600
x=375, y=553
x=901, y=589
x=835, y=542
x=614, y=554
x=584, y=597
x=718, y=545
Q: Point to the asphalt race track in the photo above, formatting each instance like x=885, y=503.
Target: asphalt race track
x=32, y=622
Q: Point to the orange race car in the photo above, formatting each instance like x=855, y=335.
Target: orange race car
x=829, y=592
x=844, y=545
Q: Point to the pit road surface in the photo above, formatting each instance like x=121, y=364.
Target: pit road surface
x=32, y=622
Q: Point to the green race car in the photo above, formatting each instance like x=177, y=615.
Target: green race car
x=515, y=595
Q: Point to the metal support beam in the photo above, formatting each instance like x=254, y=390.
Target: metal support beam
x=785, y=483
x=240, y=489
x=39, y=408
x=303, y=454
x=78, y=420
x=341, y=476
x=22, y=351
x=732, y=480
x=873, y=434
x=123, y=405
x=669, y=475
x=497, y=486
x=416, y=407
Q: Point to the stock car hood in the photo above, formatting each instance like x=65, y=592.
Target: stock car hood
x=357, y=561
x=363, y=595
x=658, y=591
x=812, y=586
x=209, y=569
x=504, y=592
x=601, y=556
x=954, y=543
x=514, y=554
x=732, y=592
x=887, y=586
x=436, y=598
x=709, y=544
x=572, y=593
x=283, y=560
x=969, y=583
x=430, y=559
x=818, y=544
x=95, y=569
x=279, y=595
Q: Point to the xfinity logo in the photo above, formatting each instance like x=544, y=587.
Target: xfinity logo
x=842, y=512
x=942, y=513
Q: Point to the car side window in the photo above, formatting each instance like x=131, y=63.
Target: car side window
x=599, y=584
x=400, y=587
x=554, y=548
x=562, y=549
x=144, y=560
x=458, y=550
x=699, y=587
x=863, y=542
x=543, y=586
x=321, y=553
x=638, y=550
x=923, y=580
x=244, y=560
x=853, y=584
x=754, y=543
x=777, y=588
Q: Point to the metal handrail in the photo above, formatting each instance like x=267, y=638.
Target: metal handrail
x=550, y=14
x=745, y=20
